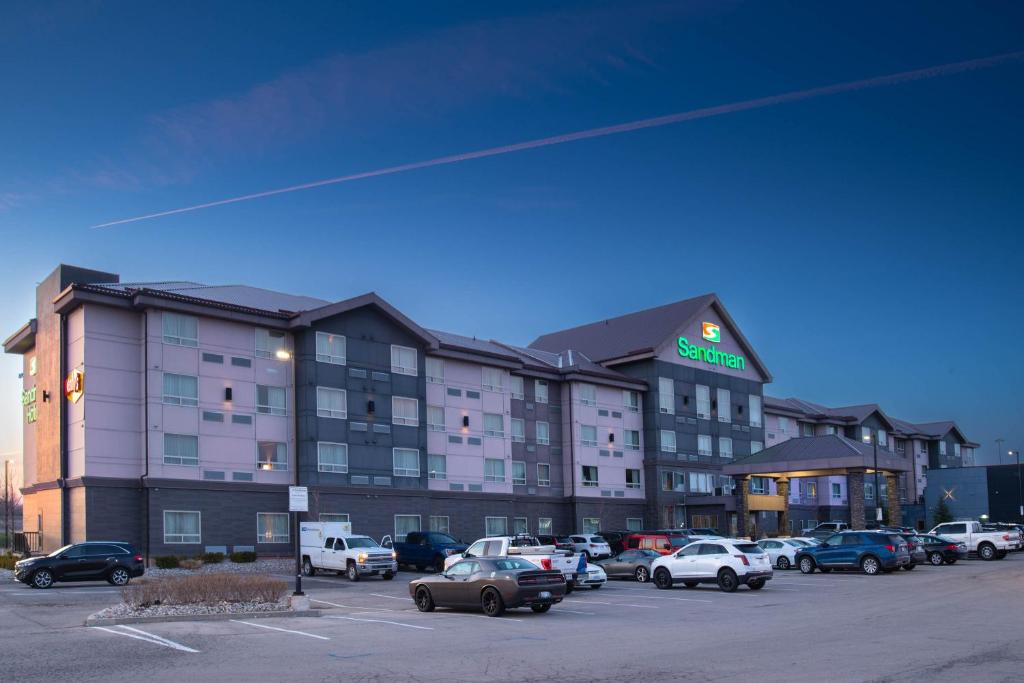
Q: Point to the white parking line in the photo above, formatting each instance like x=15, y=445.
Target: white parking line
x=384, y=621
x=666, y=597
x=390, y=597
x=283, y=630
x=155, y=640
x=336, y=604
x=619, y=604
x=572, y=611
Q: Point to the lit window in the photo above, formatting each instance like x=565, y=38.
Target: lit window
x=435, y=370
x=331, y=403
x=543, y=433
x=668, y=441
x=403, y=360
x=405, y=411
x=590, y=476
x=181, y=526
x=518, y=473
x=332, y=457
x=270, y=400
x=543, y=474
x=181, y=390
x=272, y=527
x=330, y=348
x=181, y=329
x=494, y=470
x=437, y=466
x=271, y=456
x=406, y=462
x=181, y=449
x=269, y=343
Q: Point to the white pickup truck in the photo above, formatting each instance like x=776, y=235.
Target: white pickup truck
x=990, y=545
x=528, y=548
x=332, y=546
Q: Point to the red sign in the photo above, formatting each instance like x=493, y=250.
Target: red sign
x=74, y=385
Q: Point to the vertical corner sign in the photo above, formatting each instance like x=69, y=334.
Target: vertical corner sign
x=74, y=385
x=298, y=499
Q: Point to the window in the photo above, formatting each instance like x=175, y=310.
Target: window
x=724, y=405
x=634, y=523
x=956, y=450
x=759, y=485
x=806, y=429
x=334, y=517
x=674, y=481
x=496, y=526
x=435, y=418
x=543, y=433
x=755, y=410
x=666, y=395
x=591, y=525
x=783, y=423
x=865, y=434
x=515, y=385
x=632, y=479
x=668, y=441
x=330, y=348
x=270, y=400
x=241, y=362
x=181, y=390
x=631, y=438
x=869, y=490
x=269, y=342
x=271, y=527
x=812, y=489
x=830, y=429
x=540, y=390
x=494, y=470
x=181, y=449
x=405, y=411
x=518, y=473
x=631, y=401
x=331, y=403
x=406, y=462
x=494, y=425
x=271, y=455
x=403, y=360
x=724, y=447
x=883, y=439
x=440, y=524
x=942, y=448
x=588, y=394
x=703, y=402
x=756, y=447
x=590, y=476
x=837, y=491
x=901, y=445
x=332, y=457
x=181, y=329
x=701, y=482
x=544, y=525
x=520, y=525
x=704, y=444
x=727, y=484
x=181, y=526
x=492, y=379
x=404, y=525
x=435, y=370
x=518, y=430
x=543, y=474
x=437, y=466
x=588, y=435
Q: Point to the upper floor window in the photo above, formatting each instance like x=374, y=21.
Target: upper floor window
x=865, y=434
x=181, y=449
x=883, y=439
x=956, y=450
x=837, y=491
x=494, y=470
x=869, y=490
x=666, y=395
x=515, y=385
x=519, y=473
x=330, y=348
x=544, y=433
x=494, y=424
x=807, y=429
x=703, y=402
x=181, y=390
x=588, y=435
x=724, y=405
x=631, y=401
x=405, y=411
x=631, y=437
x=540, y=389
x=543, y=474
x=724, y=447
x=590, y=475
x=942, y=448
x=182, y=330
x=632, y=479
x=812, y=489
x=331, y=457
x=703, y=444
x=437, y=466
x=403, y=360
x=783, y=422
x=588, y=394
x=901, y=445
x=271, y=456
x=270, y=343
x=435, y=419
x=701, y=482
x=755, y=410
x=759, y=485
x=668, y=441
x=331, y=403
x=492, y=379
x=756, y=447
x=435, y=370
x=518, y=430
x=270, y=400
x=406, y=462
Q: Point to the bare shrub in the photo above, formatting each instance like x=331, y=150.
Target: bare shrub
x=207, y=589
x=190, y=564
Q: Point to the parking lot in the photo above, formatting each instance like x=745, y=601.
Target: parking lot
x=955, y=622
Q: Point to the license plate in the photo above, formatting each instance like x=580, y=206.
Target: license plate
x=544, y=594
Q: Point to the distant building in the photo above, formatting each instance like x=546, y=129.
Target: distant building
x=970, y=492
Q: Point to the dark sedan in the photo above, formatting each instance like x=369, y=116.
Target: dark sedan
x=113, y=561
x=632, y=564
x=492, y=584
x=941, y=550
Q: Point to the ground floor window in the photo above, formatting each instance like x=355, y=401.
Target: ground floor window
x=704, y=521
x=544, y=525
x=334, y=517
x=440, y=524
x=271, y=527
x=591, y=525
x=520, y=525
x=634, y=523
x=495, y=526
x=405, y=524
x=181, y=526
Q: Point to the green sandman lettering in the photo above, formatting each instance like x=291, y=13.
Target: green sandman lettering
x=709, y=355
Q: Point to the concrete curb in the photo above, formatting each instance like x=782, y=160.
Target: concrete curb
x=91, y=621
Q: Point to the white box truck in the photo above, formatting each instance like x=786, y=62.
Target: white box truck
x=331, y=546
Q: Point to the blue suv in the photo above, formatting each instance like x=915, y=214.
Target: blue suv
x=870, y=551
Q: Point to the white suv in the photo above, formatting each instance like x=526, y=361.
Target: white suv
x=727, y=562
x=591, y=545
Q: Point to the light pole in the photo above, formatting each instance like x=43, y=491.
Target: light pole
x=7, y=503
x=286, y=355
x=878, y=492
x=1020, y=489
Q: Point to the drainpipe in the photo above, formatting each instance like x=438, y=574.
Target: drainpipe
x=572, y=461
x=144, y=490
x=65, y=527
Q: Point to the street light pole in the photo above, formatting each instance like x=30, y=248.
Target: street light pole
x=878, y=491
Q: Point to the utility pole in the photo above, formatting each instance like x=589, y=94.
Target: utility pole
x=878, y=491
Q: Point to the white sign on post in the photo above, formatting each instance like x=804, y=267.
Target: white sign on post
x=298, y=499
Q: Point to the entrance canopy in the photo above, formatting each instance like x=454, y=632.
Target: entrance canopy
x=813, y=456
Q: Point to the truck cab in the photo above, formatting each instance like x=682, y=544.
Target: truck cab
x=331, y=546
x=423, y=549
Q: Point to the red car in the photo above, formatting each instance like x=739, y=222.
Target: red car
x=660, y=542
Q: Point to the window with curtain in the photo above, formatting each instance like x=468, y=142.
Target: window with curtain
x=755, y=410
x=756, y=447
x=270, y=400
x=494, y=470
x=440, y=524
x=703, y=402
x=543, y=474
x=406, y=462
x=330, y=348
x=404, y=525
x=588, y=394
x=271, y=455
x=437, y=466
x=543, y=433
x=494, y=425
x=492, y=379
x=632, y=479
x=544, y=526
x=668, y=441
x=724, y=447
x=518, y=473
x=631, y=437
x=405, y=411
x=515, y=385
x=724, y=405
x=269, y=342
x=435, y=370
x=700, y=482
x=518, y=430
x=403, y=360
x=631, y=401
x=634, y=523
x=540, y=389
x=588, y=435
x=182, y=330
x=181, y=449
x=272, y=527
x=666, y=395
x=704, y=444
x=591, y=525
x=496, y=526
x=332, y=457
x=520, y=525
x=334, y=517
x=435, y=418
x=181, y=390
x=181, y=526
x=590, y=476
x=331, y=403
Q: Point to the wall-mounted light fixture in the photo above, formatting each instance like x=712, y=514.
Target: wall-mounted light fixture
x=465, y=420
x=611, y=437
x=371, y=406
x=227, y=393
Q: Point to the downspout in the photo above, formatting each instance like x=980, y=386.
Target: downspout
x=572, y=462
x=65, y=527
x=144, y=489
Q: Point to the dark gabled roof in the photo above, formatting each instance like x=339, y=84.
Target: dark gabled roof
x=571, y=362
x=256, y=298
x=814, y=411
x=809, y=453
x=643, y=332
x=940, y=429
x=472, y=345
x=372, y=299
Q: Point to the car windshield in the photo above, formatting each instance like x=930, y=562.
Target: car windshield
x=749, y=548
x=795, y=543
x=361, y=542
x=438, y=537
x=58, y=551
x=678, y=541
x=597, y=539
x=513, y=563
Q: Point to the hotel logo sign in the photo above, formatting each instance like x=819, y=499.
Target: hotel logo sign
x=712, y=332
x=709, y=354
x=74, y=385
x=28, y=399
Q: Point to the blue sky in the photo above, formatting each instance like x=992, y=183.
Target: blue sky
x=868, y=242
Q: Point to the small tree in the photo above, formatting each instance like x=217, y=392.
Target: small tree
x=942, y=513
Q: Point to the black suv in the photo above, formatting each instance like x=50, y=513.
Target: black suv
x=112, y=561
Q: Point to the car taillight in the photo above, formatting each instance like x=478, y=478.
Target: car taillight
x=592, y=545
x=743, y=559
x=951, y=547
x=137, y=558
x=1006, y=537
x=545, y=563
x=891, y=548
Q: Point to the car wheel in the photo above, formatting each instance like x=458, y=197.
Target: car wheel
x=987, y=551
x=756, y=584
x=352, y=573
x=438, y=564
x=727, y=581
x=642, y=574
x=424, y=601
x=935, y=559
x=594, y=588
x=908, y=567
x=691, y=584
x=951, y=561
x=491, y=602
x=1000, y=554
x=824, y=570
x=540, y=609
x=662, y=578
x=870, y=565
x=421, y=567
x=119, y=577
x=387, y=576
x=42, y=579
x=570, y=586
x=783, y=562
x=307, y=568
x=806, y=565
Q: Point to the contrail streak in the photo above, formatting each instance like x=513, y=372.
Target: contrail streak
x=679, y=117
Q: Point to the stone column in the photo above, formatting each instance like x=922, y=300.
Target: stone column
x=892, y=499
x=855, y=496
x=742, y=505
x=782, y=488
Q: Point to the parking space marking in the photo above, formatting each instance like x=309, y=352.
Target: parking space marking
x=620, y=604
x=390, y=597
x=283, y=630
x=497, y=620
x=666, y=597
x=149, y=638
x=383, y=621
x=572, y=611
x=336, y=604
